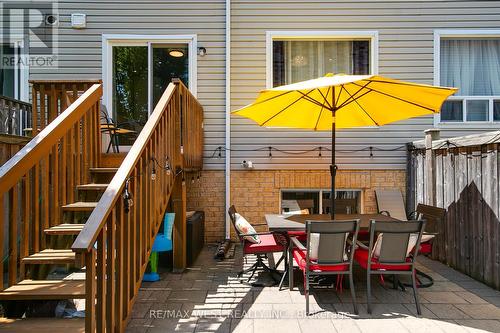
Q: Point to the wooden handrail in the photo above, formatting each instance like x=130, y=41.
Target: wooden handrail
x=118, y=236
x=42, y=177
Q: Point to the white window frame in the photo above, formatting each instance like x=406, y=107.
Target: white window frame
x=321, y=191
x=372, y=36
x=108, y=41
x=21, y=73
x=471, y=34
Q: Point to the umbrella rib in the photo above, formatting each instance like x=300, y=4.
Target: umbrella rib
x=400, y=99
x=325, y=98
x=286, y=107
x=321, y=111
x=351, y=98
x=271, y=98
x=312, y=100
x=356, y=101
x=411, y=84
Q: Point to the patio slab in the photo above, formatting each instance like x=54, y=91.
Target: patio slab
x=209, y=298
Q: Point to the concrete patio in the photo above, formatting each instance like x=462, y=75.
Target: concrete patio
x=209, y=298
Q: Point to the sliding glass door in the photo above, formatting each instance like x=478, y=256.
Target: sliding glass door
x=140, y=74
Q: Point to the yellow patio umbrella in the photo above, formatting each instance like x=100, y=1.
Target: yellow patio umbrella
x=343, y=101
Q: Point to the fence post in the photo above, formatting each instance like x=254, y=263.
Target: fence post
x=430, y=166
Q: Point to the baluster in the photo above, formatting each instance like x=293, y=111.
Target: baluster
x=101, y=280
x=110, y=272
x=13, y=215
x=90, y=291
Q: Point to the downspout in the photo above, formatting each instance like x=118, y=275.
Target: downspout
x=227, y=143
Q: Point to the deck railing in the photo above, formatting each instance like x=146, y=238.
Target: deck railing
x=51, y=97
x=15, y=116
x=42, y=176
x=192, y=130
x=118, y=236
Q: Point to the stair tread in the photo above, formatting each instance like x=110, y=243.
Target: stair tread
x=42, y=325
x=103, y=170
x=65, y=229
x=80, y=206
x=51, y=256
x=44, y=289
x=92, y=186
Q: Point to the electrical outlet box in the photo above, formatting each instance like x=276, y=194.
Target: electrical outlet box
x=78, y=21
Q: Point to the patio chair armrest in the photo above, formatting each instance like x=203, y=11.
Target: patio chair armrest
x=259, y=224
x=430, y=233
x=257, y=234
x=294, y=242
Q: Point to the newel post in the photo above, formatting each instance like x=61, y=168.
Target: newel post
x=431, y=135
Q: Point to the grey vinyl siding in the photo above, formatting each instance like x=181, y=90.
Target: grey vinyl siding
x=80, y=52
x=406, y=37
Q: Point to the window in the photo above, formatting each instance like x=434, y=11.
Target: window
x=131, y=91
x=298, y=56
x=346, y=201
x=137, y=70
x=471, y=64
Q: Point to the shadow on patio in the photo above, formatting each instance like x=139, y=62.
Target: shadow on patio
x=209, y=298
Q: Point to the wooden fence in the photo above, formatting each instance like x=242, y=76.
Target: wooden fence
x=462, y=175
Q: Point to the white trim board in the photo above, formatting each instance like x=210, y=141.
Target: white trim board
x=319, y=35
x=110, y=40
x=457, y=33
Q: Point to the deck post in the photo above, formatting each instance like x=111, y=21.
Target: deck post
x=180, y=228
x=430, y=164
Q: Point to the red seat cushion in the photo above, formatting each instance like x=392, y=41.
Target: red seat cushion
x=425, y=248
x=267, y=244
x=300, y=235
x=361, y=256
x=300, y=259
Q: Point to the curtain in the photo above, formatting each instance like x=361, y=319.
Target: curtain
x=471, y=65
x=295, y=61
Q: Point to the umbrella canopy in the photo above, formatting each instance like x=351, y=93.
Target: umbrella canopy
x=344, y=101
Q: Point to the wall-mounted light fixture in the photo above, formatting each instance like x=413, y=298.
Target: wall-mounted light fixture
x=247, y=164
x=176, y=53
x=202, y=51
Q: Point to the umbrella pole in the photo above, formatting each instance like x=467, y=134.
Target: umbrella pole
x=333, y=171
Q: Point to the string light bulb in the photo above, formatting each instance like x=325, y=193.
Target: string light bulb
x=127, y=197
x=167, y=165
x=198, y=178
x=183, y=181
x=153, y=173
x=192, y=180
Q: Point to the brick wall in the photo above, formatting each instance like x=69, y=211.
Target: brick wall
x=255, y=192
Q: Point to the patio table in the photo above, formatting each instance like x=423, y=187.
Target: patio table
x=284, y=223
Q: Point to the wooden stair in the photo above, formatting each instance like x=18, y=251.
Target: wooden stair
x=71, y=287
x=44, y=289
x=65, y=229
x=50, y=257
x=92, y=187
x=42, y=325
x=80, y=206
